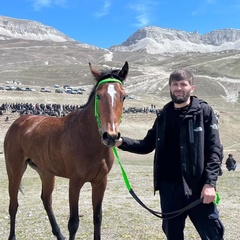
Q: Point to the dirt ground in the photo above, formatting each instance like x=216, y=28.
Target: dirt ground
x=123, y=218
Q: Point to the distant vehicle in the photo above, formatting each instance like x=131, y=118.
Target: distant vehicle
x=1, y=88
x=56, y=86
x=58, y=90
x=71, y=91
x=10, y=88
x=68, y=90
x=130, y=97
x=45, y=90
x=30, y=89
x=66, y=86
x=81, y=89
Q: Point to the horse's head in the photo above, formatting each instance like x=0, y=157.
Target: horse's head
x=109, y=98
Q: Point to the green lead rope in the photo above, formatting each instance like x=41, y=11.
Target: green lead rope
x=122, y=169
x=217, y=198
x=157, y=214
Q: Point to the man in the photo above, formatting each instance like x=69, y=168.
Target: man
x=231, y=164
x=187, y=156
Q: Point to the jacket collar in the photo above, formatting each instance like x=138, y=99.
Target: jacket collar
x=194, y=105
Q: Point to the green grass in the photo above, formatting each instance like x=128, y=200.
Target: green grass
x=123, y=217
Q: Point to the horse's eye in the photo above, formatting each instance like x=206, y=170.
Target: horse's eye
x=124, y=97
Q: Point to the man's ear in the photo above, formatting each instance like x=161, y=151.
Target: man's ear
x=193, y=88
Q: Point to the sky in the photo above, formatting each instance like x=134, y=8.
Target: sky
x=105, y=23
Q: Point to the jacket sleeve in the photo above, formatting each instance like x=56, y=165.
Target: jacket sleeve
x=144, y=146
x=212, y=146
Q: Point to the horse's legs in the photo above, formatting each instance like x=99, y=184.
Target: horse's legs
x=15, y=173
x=48, y=181
x=98, y=190
x=74, y=189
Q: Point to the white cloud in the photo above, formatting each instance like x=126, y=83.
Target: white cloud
x=142, y=15
x=144, y=12
x=105, y=9
x=39, y=4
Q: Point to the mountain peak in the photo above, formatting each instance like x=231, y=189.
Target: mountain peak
x=156, y=40
x=29, y=30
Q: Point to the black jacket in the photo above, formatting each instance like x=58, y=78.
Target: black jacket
x=200, y=146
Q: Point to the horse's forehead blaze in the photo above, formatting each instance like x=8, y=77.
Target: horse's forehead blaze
x=111, y=91
x=110, y=95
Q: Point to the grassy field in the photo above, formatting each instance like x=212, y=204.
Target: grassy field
x=123, y=218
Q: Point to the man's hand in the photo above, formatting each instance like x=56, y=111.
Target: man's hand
x=118, y=143
x=208, y=194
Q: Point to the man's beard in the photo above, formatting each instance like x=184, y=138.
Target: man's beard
x=180, y=99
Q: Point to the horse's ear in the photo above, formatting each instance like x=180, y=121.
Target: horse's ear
x=124, y=71
x=94, y=71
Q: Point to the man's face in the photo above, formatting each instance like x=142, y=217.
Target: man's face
x=180, y=91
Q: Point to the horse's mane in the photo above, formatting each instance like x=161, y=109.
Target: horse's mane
x=109, y=73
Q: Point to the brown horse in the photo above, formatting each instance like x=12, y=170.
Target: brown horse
x=77, y=147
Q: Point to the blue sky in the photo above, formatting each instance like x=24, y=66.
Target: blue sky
x=104, y=23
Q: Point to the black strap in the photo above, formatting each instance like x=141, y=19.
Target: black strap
x=169, y=215
x=157, y=214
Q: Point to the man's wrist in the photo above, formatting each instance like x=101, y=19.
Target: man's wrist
x=212, y=184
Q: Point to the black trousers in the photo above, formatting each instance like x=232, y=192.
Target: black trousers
x=205, y=217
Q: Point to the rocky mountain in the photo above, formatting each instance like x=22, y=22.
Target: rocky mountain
x=29, y=30
x=36, y=44
x=156, y=40
x=38, y=55
x=31, y=52
x=153, y=40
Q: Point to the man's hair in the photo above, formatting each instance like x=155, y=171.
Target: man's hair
x=181, y=74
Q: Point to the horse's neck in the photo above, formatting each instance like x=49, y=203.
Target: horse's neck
x=87, y=116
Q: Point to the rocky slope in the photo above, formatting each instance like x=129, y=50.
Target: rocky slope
x=156, y=40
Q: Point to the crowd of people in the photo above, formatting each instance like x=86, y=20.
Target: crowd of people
x=59, y=110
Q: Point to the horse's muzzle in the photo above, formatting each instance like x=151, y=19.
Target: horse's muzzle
x=109, y=140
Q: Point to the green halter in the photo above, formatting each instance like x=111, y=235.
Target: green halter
x=96, y=112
